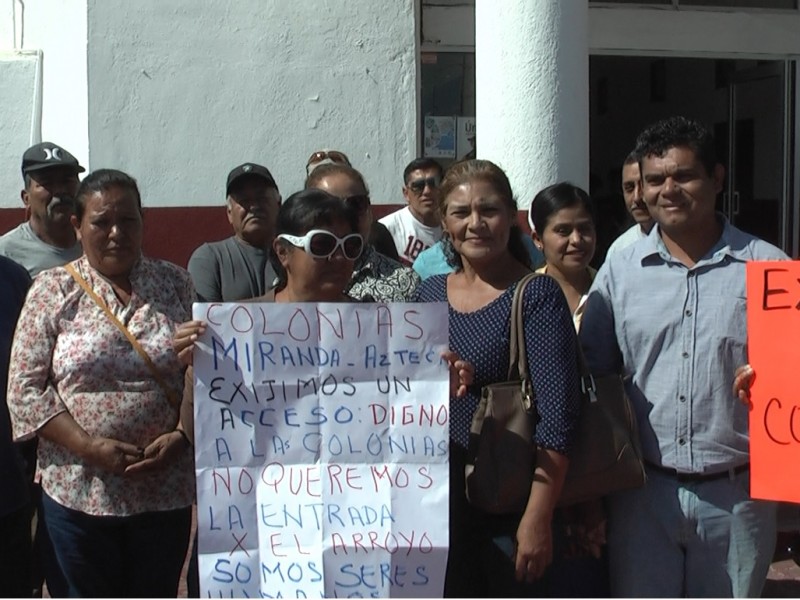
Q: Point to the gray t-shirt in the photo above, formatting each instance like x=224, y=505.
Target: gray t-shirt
x=230, y=270
x=23, y=246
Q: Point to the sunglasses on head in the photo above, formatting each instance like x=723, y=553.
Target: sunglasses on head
x=418, y=185
x=333, y=155
x=320, y=243
x=359, y=202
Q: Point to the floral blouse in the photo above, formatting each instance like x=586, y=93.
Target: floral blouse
x=67, y=355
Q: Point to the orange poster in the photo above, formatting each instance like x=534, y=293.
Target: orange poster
x=773, y=332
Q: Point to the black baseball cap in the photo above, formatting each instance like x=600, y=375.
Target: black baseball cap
x=249, y=169
x=46, y=155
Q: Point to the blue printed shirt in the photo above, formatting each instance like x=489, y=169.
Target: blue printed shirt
x=482, y=337
x=678, y=334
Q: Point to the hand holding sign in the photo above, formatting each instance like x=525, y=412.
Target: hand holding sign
x=743, y=379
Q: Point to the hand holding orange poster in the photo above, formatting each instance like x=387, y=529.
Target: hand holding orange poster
x=773, y=332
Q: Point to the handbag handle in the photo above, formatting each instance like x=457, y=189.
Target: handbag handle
x=517, y=356
x=173, y=398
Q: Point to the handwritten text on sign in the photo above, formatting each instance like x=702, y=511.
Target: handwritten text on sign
x=773, y=328
x=322, y=450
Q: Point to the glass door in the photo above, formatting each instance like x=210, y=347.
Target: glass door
x=754, y=147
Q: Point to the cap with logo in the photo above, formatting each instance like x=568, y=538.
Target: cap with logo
x=249, y=169
x=47, y=155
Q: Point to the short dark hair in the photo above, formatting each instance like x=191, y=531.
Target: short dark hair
x=421, y=163
x=672, y=132
x=100, y=181
x=631, y=158
x=321, y=172
x=306, y=210
x=555, y=197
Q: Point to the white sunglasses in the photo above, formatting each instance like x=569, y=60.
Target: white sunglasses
x=320, y=243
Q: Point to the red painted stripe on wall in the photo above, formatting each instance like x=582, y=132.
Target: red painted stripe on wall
x=173, y=233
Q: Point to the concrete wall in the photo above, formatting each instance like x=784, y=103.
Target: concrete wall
x=532, y=79
x=57, y=28
x=644, y=30
x=180, y=91
x=694, y=32
x=18, y=74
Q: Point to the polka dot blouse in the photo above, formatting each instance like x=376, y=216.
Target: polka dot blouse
x=482, y=338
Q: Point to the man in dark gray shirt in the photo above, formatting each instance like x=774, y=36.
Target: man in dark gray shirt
x=238, y=267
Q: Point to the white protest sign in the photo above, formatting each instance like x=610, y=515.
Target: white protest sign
x=321, y=450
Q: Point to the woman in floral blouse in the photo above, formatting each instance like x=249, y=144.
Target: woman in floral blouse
x=114, y=464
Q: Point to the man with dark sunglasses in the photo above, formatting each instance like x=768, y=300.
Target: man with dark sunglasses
x=417, y=226
x=238, y=267
x=375, y=275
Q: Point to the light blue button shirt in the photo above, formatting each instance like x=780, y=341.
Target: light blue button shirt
x=678, y=334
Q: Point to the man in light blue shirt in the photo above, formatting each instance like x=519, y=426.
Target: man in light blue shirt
x=634, y=204
x=669, y=314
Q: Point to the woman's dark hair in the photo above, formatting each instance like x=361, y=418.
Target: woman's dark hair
x=306, y=210
x=328, y=169
x=100, y=181
x=488, y=172
x=553, y=198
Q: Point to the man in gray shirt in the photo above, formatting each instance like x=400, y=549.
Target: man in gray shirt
x=238, y=267
x=47, y=239
x=669, y=313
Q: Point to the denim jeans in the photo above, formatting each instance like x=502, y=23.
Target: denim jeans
x=138, y=556
x=673, y=539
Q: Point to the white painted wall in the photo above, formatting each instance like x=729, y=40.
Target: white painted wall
x=17, y=74
x=57, y=28
x=694, y=32
x=640, y=30
x=180, y=91
x=532, y=79
x=448, y=25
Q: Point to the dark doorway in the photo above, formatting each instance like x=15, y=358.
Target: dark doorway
x=746, y=103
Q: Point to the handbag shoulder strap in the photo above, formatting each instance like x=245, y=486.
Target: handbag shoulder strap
x=517, y=356
x=171, y=395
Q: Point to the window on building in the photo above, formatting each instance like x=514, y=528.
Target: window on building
x=448, y=105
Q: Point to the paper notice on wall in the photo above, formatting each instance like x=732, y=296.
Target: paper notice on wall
x=440, y=137
x=321, y=448
x=466, y=141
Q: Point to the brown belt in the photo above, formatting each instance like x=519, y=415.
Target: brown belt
x=698, y=477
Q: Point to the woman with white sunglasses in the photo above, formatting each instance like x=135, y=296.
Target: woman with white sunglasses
x=315, y=249
x=316, y=246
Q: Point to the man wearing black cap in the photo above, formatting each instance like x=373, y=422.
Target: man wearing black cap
x=47, y=238
x=238, y=267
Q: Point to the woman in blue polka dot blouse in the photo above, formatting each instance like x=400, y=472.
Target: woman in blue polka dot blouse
x=502, y=556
